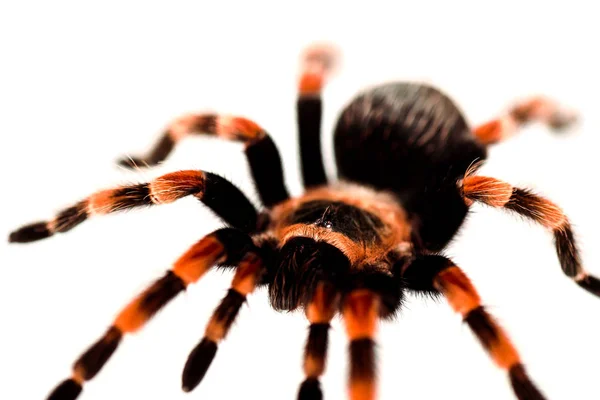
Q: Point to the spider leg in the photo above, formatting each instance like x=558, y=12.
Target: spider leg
x=247, y=276
x=261, y=152
x=319, y=312
x=222, y=246
x=360, y=311
x=537, y=109
x=435, y=273
x=217, y=193
x=496, y=193
x=317, y=63
x=372, y=292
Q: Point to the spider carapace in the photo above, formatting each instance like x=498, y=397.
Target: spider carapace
x=407, y=164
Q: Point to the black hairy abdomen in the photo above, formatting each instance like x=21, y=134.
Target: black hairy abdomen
x=410, y=139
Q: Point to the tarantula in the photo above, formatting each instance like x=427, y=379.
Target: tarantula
x=407, y=165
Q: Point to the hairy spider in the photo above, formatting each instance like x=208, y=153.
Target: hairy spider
x=407, y=164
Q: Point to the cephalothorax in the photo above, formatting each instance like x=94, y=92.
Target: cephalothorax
x=407, y=164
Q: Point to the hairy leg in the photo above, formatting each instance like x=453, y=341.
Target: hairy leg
x=435, y=273
x=218, y=194
x=537, y=109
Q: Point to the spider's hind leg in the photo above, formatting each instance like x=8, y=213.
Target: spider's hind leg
x=317, y=63
x=536, y=109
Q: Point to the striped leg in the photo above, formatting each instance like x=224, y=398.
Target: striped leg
x=438, y=273
x=223, y=246
x=317, y=63
x=320, y=311
x=262, y=154
x=361, y=314
x=247, y=276
x=536, y=109
x=496, y=193
x=218, y=194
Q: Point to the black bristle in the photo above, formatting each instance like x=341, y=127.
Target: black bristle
x=197, y=364
x=310, y=390
x=131, y=162
x=30, y=233
x=67, y=390
x=522, y=386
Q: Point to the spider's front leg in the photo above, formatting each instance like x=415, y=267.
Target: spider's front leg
x=438, y=274
x=221, y=196
x=225, y=246
x=247, y=277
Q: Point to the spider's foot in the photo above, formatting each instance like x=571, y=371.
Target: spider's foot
x=67, y=390
x=318, y=63
x=522, y=385
x=30, y=233
x=563, y=120
x=322, y=56
x=310, y=390
x=197, y=364
x=547, y=111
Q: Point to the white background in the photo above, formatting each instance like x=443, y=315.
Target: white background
x=81, y=85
